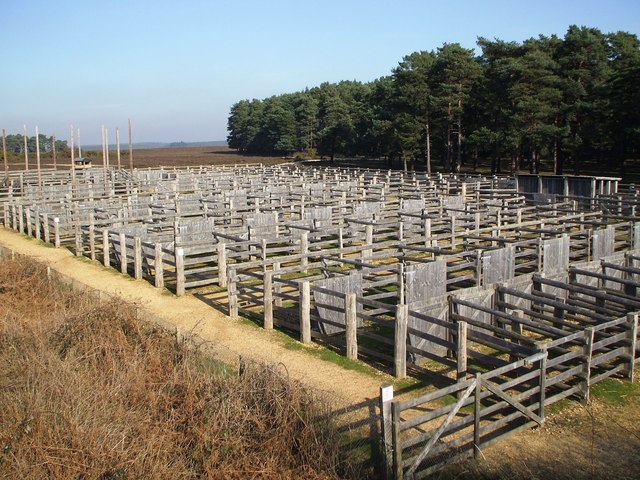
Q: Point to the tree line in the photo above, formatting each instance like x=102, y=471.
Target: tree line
x=15, y=144
x=564, y=101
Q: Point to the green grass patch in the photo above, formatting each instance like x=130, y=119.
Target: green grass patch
x=325, y=354
x=45, y=244
x=214, y=368
x=250, y=322
x=616, y=392
x=558, y=407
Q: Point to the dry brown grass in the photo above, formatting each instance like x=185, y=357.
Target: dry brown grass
x=87, y=391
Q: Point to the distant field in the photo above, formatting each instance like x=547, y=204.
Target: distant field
x=223, y=155
x=193, y=156
x=154, y=157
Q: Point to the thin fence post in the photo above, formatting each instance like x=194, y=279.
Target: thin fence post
x=56, y=232
x=78, y=231
x=351, y=325
x=542, y=383
x=180, y=289
x=5, y=215
x=106, y=260
x=222, y=264
x=137, y=258
x=123, y=253
x=92, y=237
x=400, y=341
x=587, y=355
x=14, y=215
x=267, y=300
x=461, y=350
x=453, y=231
x=304, y=250
x=232, y=292
x=45, y=227
x=477, y=411
x=632, y=320
x=386, y=428
x=368, y=253
x=427, y=232
x=516, y=327
x=36, y=223
x=28, y=217
x=158, y=266
x=305, y=312
x=398, y=466
x=277, y=286
x=21, y=218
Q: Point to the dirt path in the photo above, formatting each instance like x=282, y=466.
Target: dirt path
x=229, y=337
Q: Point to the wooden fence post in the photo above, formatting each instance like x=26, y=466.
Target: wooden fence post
x=78, y=231
x=461, y=350
x=401, y=283
x=632, y=320
x=304, y=250
x=368, y=253
x=305, y=312
x=453, y=231
x=398, y=466
x=222, y=263
x=14, y=216
x=427, y=233
x=587, y=355
x=36, y=223
x=92, y=237
x=123, y=253
x=516, y=327
x=400, y=341
x=27, y=213
x=629, y=288
x=137, y=258
x=232, y=292
x=351, y=325
x=263, y=253
x=158, y=266
x=277, y=286
x=542, y=382
x=179, y=271
x=56, y=232
x=21, y=218
x=106, y=260
x=477, y=413
x=5, y=215
x=45, y=227
x=386, y=429
x=267, y=300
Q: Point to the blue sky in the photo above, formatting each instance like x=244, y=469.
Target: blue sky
x=175, y=68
